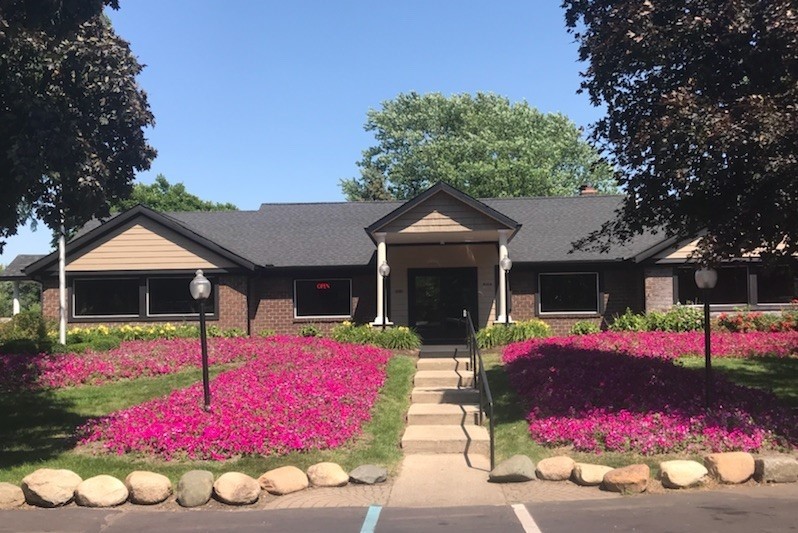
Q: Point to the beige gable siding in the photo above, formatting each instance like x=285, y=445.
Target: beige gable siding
x=441, y=213
x=678, y=254
x=144, y=245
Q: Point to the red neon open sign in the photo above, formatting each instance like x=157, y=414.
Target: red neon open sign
x=323, y=285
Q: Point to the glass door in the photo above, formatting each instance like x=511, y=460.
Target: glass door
x=437, y=299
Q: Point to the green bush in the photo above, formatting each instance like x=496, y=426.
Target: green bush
x=74, y=347
x=629, y=321
x=23, y=346
x=392, y=338
x=678, y=318
x=584, y=327
x=744, y=321
x=309, y=330
x=103, y=344
x=26, y=331
x=501, y=334
x=266, y=333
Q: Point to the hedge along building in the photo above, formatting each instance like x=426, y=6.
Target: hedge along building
x=285, y=266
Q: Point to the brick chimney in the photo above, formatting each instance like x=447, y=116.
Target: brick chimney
x=587, y=190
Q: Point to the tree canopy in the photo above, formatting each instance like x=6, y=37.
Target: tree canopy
x=163, y=196
x=72, y=116
x=482, y=144
x=702, y=118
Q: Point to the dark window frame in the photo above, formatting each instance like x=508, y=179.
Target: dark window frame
x=297, y=316
x=74, y=298
x=752, y=290
x=210, y=312
x=539, y=293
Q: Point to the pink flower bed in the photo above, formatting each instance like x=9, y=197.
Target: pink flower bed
x=295, y=394
x=605, y=392
x=133, y=359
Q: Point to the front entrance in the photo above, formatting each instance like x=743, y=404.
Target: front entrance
x=437, y=297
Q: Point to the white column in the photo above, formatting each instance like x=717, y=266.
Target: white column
x=381, y=258
x=15, y=299
x=62, y=283
x=501, y=297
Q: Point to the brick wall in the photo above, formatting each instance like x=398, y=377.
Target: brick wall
x=658, y=282
x=50, y=304
x=621, y=288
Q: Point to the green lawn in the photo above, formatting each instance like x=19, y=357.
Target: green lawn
x=36, y=429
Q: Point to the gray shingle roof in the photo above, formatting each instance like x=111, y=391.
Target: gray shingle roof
x=14, y=269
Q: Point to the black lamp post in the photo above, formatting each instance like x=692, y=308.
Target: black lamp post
x=200, y=289
x=385, y=271
x=506, y=264
x=706, y=279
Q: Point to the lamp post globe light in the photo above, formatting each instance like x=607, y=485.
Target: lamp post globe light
x=706, y=279
x=506, y=264
x=385, y=271
x=200, y=289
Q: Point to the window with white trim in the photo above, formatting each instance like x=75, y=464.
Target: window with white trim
x=323, y=298
x=568, y=292
x=731, y=289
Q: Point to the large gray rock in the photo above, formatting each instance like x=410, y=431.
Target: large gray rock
x=730, y=467
x=776, y=469
x=555, y=468
x=284, y=480
x=101, y=491
x=235, y=488
x=589, y=475
x=681, y=474
x=194, y=488
x=517, y=468
x=148, y=488
x=631, y=479
x=327, y=475
x=11, y=496
x=368, y=474
x=50, y=488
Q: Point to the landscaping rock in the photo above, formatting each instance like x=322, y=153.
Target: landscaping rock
x=101, y=491
x=730, y=467
x=235, y=488
x=681, y=474
x=555, y=468
x=776, y=469
x=631, y=479
x=11, y=496
x=327, y=475
x=148, y=488
x=284, y=480
x=50, y=488
x=195, y=488
x=589, y=475
x=368, y=474
x=517, y=468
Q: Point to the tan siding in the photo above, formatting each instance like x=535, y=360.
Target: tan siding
x=442, y=213
x=144, y=245
x=680, y=253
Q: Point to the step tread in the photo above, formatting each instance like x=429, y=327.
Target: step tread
x=445, y=433
x=442, y=408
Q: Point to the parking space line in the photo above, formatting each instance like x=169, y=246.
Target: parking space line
x=371, y=519
x=527, y=522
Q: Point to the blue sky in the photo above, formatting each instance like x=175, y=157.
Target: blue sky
x=263, y=101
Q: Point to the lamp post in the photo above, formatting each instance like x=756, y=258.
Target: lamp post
x=506, y=264
x=706, y=279
x=385, y=271
x=200, y=289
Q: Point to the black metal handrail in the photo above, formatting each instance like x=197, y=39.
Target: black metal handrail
x=480, y=381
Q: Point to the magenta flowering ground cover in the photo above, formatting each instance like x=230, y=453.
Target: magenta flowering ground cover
x=133, y=359
x=622, y=392
x=295, y=394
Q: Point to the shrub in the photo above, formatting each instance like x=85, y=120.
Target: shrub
x=584, y=327
x=744, y=321
x=309, y=330
x=678, y=318
x=103, y=344
x=629, y=321
x=393, y=338
x=266, y=333
x=501, y=334
x=25, y=332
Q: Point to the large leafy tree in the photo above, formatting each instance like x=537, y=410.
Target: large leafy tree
x=164, y=196
x=71, y=114
x=481, y=144
x=702, y=118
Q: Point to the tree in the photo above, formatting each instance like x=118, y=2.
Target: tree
x=71, y=113
x=482, y=144
x=163, y=196
x=702, y=118
x=29, y=296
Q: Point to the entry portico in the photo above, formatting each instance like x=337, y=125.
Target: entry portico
x=443, y=248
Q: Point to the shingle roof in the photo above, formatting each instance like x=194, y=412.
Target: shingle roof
x=14, y=270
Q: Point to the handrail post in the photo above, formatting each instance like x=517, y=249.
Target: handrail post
x=481, y=383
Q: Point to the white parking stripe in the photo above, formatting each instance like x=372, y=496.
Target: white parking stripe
x=527, y=522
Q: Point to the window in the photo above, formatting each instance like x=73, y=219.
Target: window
x=576, y=292
x=171, y=296
x=105, y=297
x=322, y=298
x=776, y=286
x=732, y=287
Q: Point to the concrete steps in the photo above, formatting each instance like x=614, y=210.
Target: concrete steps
x=444, y=415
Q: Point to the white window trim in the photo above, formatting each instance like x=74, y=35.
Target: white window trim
x=147, y=313
x=322, y=317
x=75, y=316
x=568, y=313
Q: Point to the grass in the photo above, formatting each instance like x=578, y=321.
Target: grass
x=512, y=431
x=37, y=428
